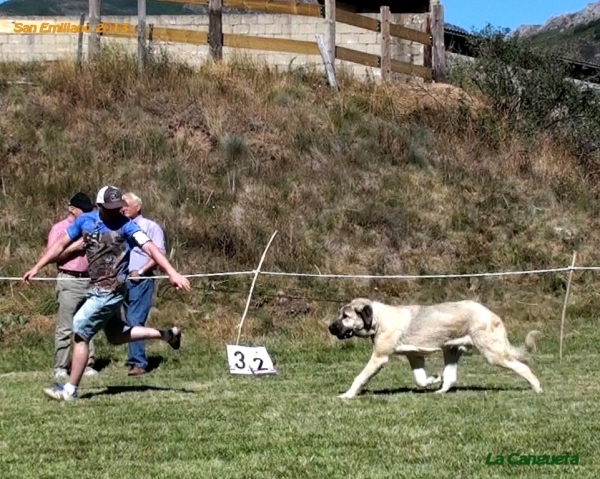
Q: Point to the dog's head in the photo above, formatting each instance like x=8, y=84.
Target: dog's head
x=355, y=319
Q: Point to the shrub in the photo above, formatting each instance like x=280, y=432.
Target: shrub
x=529, y=90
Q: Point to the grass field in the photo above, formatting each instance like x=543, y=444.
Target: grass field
x=373, y=179
x=191, y=419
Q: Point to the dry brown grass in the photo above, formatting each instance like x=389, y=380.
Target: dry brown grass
x=374, y=179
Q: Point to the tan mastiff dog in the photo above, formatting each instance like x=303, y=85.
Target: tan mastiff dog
x=416, y=331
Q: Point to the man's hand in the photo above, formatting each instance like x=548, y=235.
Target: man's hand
x=134, y=276
x=79, y=245
x=30, y=274
x=179, y=281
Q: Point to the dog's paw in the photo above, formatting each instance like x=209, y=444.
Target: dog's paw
x=446, y=387
x=346, y=396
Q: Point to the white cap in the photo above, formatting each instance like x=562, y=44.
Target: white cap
x=110, y=197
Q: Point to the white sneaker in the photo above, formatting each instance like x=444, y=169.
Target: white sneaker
x=90, y=372
x=60, y=373
x=58, y=393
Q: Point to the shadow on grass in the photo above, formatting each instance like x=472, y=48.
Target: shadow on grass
x=154, y=362
x=113, y=390
x=101, y=363
x=386, y=392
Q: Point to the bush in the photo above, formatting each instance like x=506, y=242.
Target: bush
x=529, y=90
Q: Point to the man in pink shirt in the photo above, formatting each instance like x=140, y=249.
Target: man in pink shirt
x=71, y=287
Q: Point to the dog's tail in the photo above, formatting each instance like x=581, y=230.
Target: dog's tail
x=523, y=353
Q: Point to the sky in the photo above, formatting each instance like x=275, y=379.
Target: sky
x=472, y=14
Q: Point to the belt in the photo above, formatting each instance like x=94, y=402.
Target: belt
x=76, y=274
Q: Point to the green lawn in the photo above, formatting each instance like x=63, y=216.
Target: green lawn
x=191, y=419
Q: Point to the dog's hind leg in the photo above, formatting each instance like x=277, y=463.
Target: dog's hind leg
x=374, y=365
x=508, y=361
x=450, y=374
x=417, y=363
x=523, y=371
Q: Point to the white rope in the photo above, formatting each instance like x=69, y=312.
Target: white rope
x=197, y=275
x=408, y=276
x=341, y=276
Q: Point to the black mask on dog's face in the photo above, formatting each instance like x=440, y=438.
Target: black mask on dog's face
x=352, y=320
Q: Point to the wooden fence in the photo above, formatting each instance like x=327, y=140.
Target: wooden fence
x=432, y=38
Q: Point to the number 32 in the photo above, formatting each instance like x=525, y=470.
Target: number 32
x=241, y=364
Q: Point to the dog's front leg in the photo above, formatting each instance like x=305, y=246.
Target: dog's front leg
x=417, y=364
x=450, y=375
x=374, y=365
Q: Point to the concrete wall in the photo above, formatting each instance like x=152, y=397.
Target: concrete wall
x=28, y=47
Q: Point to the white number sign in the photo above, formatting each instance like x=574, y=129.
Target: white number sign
x=249, y=360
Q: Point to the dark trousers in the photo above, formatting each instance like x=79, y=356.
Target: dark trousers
x=137, y=304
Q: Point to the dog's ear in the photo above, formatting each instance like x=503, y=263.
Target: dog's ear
x=366, y=314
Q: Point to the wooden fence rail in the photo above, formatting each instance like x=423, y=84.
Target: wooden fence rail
x=341, y=16
x=410, y=34
x=374, y=25
x=300, y=47
x=217, y=40
x=268, y=6
x=412, y=70
x=354, y=56
x=250, y=42
x=358, y=21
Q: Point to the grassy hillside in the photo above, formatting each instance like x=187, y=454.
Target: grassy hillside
x=375, y=179
x=372, y=180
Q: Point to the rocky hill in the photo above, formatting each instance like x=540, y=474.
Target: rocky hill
x=575, y=34
x=563, y=23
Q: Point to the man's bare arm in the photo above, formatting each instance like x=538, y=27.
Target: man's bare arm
x=49, y=256
x=70, y=250
x=162, y=261
x=147, y=267
x=157, y=237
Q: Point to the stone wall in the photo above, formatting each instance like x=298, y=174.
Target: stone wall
x=53, y=46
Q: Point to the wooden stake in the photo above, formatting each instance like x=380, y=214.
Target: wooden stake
x=329, y=69
x=215, y=29
x=141, y=34
x=94, y=39
x=386, y=46
x=330, y=30
x=428, y=49
x=564, y=311
x=80, y=40
x=439, y=47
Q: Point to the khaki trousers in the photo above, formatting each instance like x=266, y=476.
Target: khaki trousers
x=70, y=294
